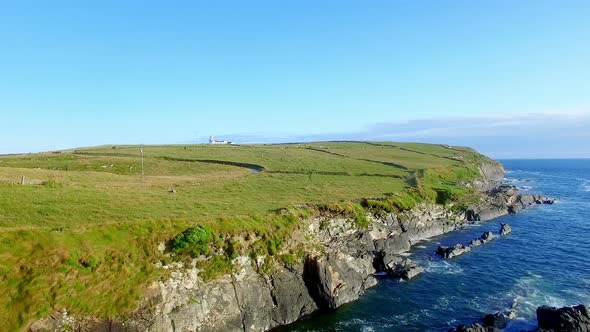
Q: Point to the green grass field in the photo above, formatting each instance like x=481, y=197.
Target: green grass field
x=86, y=220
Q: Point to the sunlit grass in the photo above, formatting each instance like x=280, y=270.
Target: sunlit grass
x=86, y=219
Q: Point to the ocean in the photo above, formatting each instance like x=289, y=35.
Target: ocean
x=545, y=260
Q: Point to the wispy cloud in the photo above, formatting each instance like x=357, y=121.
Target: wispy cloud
x=552, y=133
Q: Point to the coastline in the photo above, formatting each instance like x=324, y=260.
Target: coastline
x=339, y=266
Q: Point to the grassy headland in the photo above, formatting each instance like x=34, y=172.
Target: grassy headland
x=82, y=232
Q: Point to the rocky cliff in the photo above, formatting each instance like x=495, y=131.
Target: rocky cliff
x=339, y=265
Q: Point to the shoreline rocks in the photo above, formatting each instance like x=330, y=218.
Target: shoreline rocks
x=549, y=319
x=406, y=270
x=566, y=319
x=498, y=320
x=490, y=323
x=450, y=252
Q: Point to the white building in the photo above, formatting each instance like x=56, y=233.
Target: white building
x=213, y=141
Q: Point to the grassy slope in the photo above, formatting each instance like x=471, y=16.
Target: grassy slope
x=88, y=220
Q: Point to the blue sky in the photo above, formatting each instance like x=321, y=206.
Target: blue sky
x=76, y=73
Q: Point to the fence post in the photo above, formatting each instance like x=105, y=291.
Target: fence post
x=22, y=180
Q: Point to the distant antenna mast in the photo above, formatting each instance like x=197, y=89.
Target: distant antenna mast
x=141, y=149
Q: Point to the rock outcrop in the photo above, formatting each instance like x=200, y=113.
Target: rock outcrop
x=503, y=200
x=450, y=252
x=406, y=270
x=459, y=249
x=491, y=323
x=567, y=319
x=505, y=229
x=498, y=320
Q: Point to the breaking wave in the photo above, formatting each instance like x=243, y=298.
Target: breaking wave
x=529, y=292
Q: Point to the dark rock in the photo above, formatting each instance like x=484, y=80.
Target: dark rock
x=386, y=250
x=291, y=297
x=505, y=229
x=458, y=249
x=491, y=323
x=333, y=281
x=567, y=319
x=450, y=252
x=473, y=328
x=317, y=280
x=358, y=244
x=498, y=320
x=390, y=261
x=471, y=215
x=543, y=200
x=406, y=270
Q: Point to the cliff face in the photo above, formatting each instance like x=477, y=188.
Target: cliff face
x=491, y=175
x=339, y=265
x=337, y=270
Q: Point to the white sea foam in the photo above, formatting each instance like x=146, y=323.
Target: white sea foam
x=528, y=293
x=421, y=247
x=577, y=294
x=405, y=254
x=410, y=318
x=443, y=267
x=357, y=324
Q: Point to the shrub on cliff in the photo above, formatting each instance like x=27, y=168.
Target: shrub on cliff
x=361, y=219
x=195, y=239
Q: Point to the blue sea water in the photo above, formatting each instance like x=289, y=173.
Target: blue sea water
x=546, y=260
